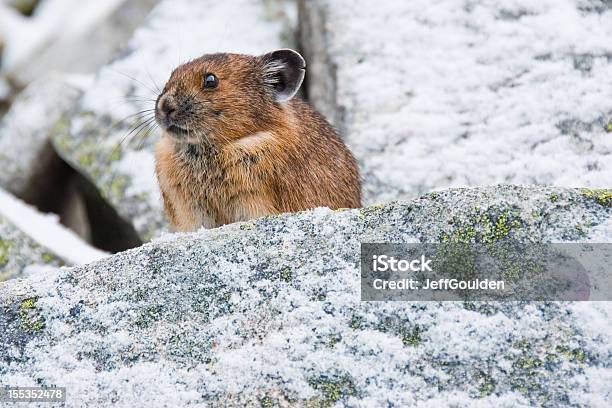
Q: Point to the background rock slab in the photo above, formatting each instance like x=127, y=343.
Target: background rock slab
x=25, y=132
x=60, y=33
x=440, y=94
x=268, y=312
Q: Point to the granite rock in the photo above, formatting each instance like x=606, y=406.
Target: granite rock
x=451, y=94
x=268, y=313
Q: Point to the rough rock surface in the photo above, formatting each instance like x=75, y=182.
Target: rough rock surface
x=267, y=313
x=442, y=94
x=18, y=252
x=106, y=140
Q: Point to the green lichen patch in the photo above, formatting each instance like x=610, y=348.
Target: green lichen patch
x=60, y=132
x=247, y=226
x=411, y=334
x=573, y=354
x=602, y=196
x=266, y=402
x=286, y=274
x=47, y=257
x=356, y=322
x=371, y=209
x=341, y=209
x=486, y=383
x=484, y=308
x=412, y=337
x=116, y=186
x=148, y=316
x=333, y=339
x=190, y=347
x=29, y=315
x=332, y=389
x=527, y=375
x=5, y=247
x=486, y=225
x=115, y=154
x=522, y=344
x=538, y=359
x=554, y=197
x=528, y=363
x=18, y=251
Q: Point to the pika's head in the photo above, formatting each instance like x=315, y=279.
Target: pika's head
x=223, y=97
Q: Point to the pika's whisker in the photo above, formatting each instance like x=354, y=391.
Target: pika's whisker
x=145, y=135
x=137, y=128
x=125, y=137
x=159, y=91
x=136, y=80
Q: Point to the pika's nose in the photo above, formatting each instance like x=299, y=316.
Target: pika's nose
x=167, y=106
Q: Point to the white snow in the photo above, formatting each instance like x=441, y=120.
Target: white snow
x=602, y=232
x=81, y=82
x=37, y=270
x=47, y=231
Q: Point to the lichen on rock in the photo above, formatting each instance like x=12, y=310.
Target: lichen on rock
x=18, y=251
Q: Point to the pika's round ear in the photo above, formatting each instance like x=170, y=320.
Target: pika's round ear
x=284, y=71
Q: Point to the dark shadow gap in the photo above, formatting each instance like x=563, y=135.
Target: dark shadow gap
x=24, y=7
x=299, y=43
x=56, y=187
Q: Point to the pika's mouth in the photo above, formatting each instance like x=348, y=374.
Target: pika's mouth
x=177, y=130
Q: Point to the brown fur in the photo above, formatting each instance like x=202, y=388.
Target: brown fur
x=245, y=155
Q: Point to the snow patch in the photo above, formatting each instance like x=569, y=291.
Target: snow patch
x=47, y=231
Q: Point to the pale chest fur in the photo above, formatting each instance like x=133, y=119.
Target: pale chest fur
x=202, y=187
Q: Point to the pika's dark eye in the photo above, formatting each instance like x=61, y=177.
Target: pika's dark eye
x=210, y=81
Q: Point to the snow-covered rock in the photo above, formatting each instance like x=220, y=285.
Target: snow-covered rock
x=104, y=137
x=66, y=35
x=19, y=252
x=25, y=132
x=29, y=239
x=268, y=313
x=440, y=94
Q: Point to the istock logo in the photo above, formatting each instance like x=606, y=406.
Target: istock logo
x=383, y=263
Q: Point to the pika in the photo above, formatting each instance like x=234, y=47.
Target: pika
x=236, y=143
